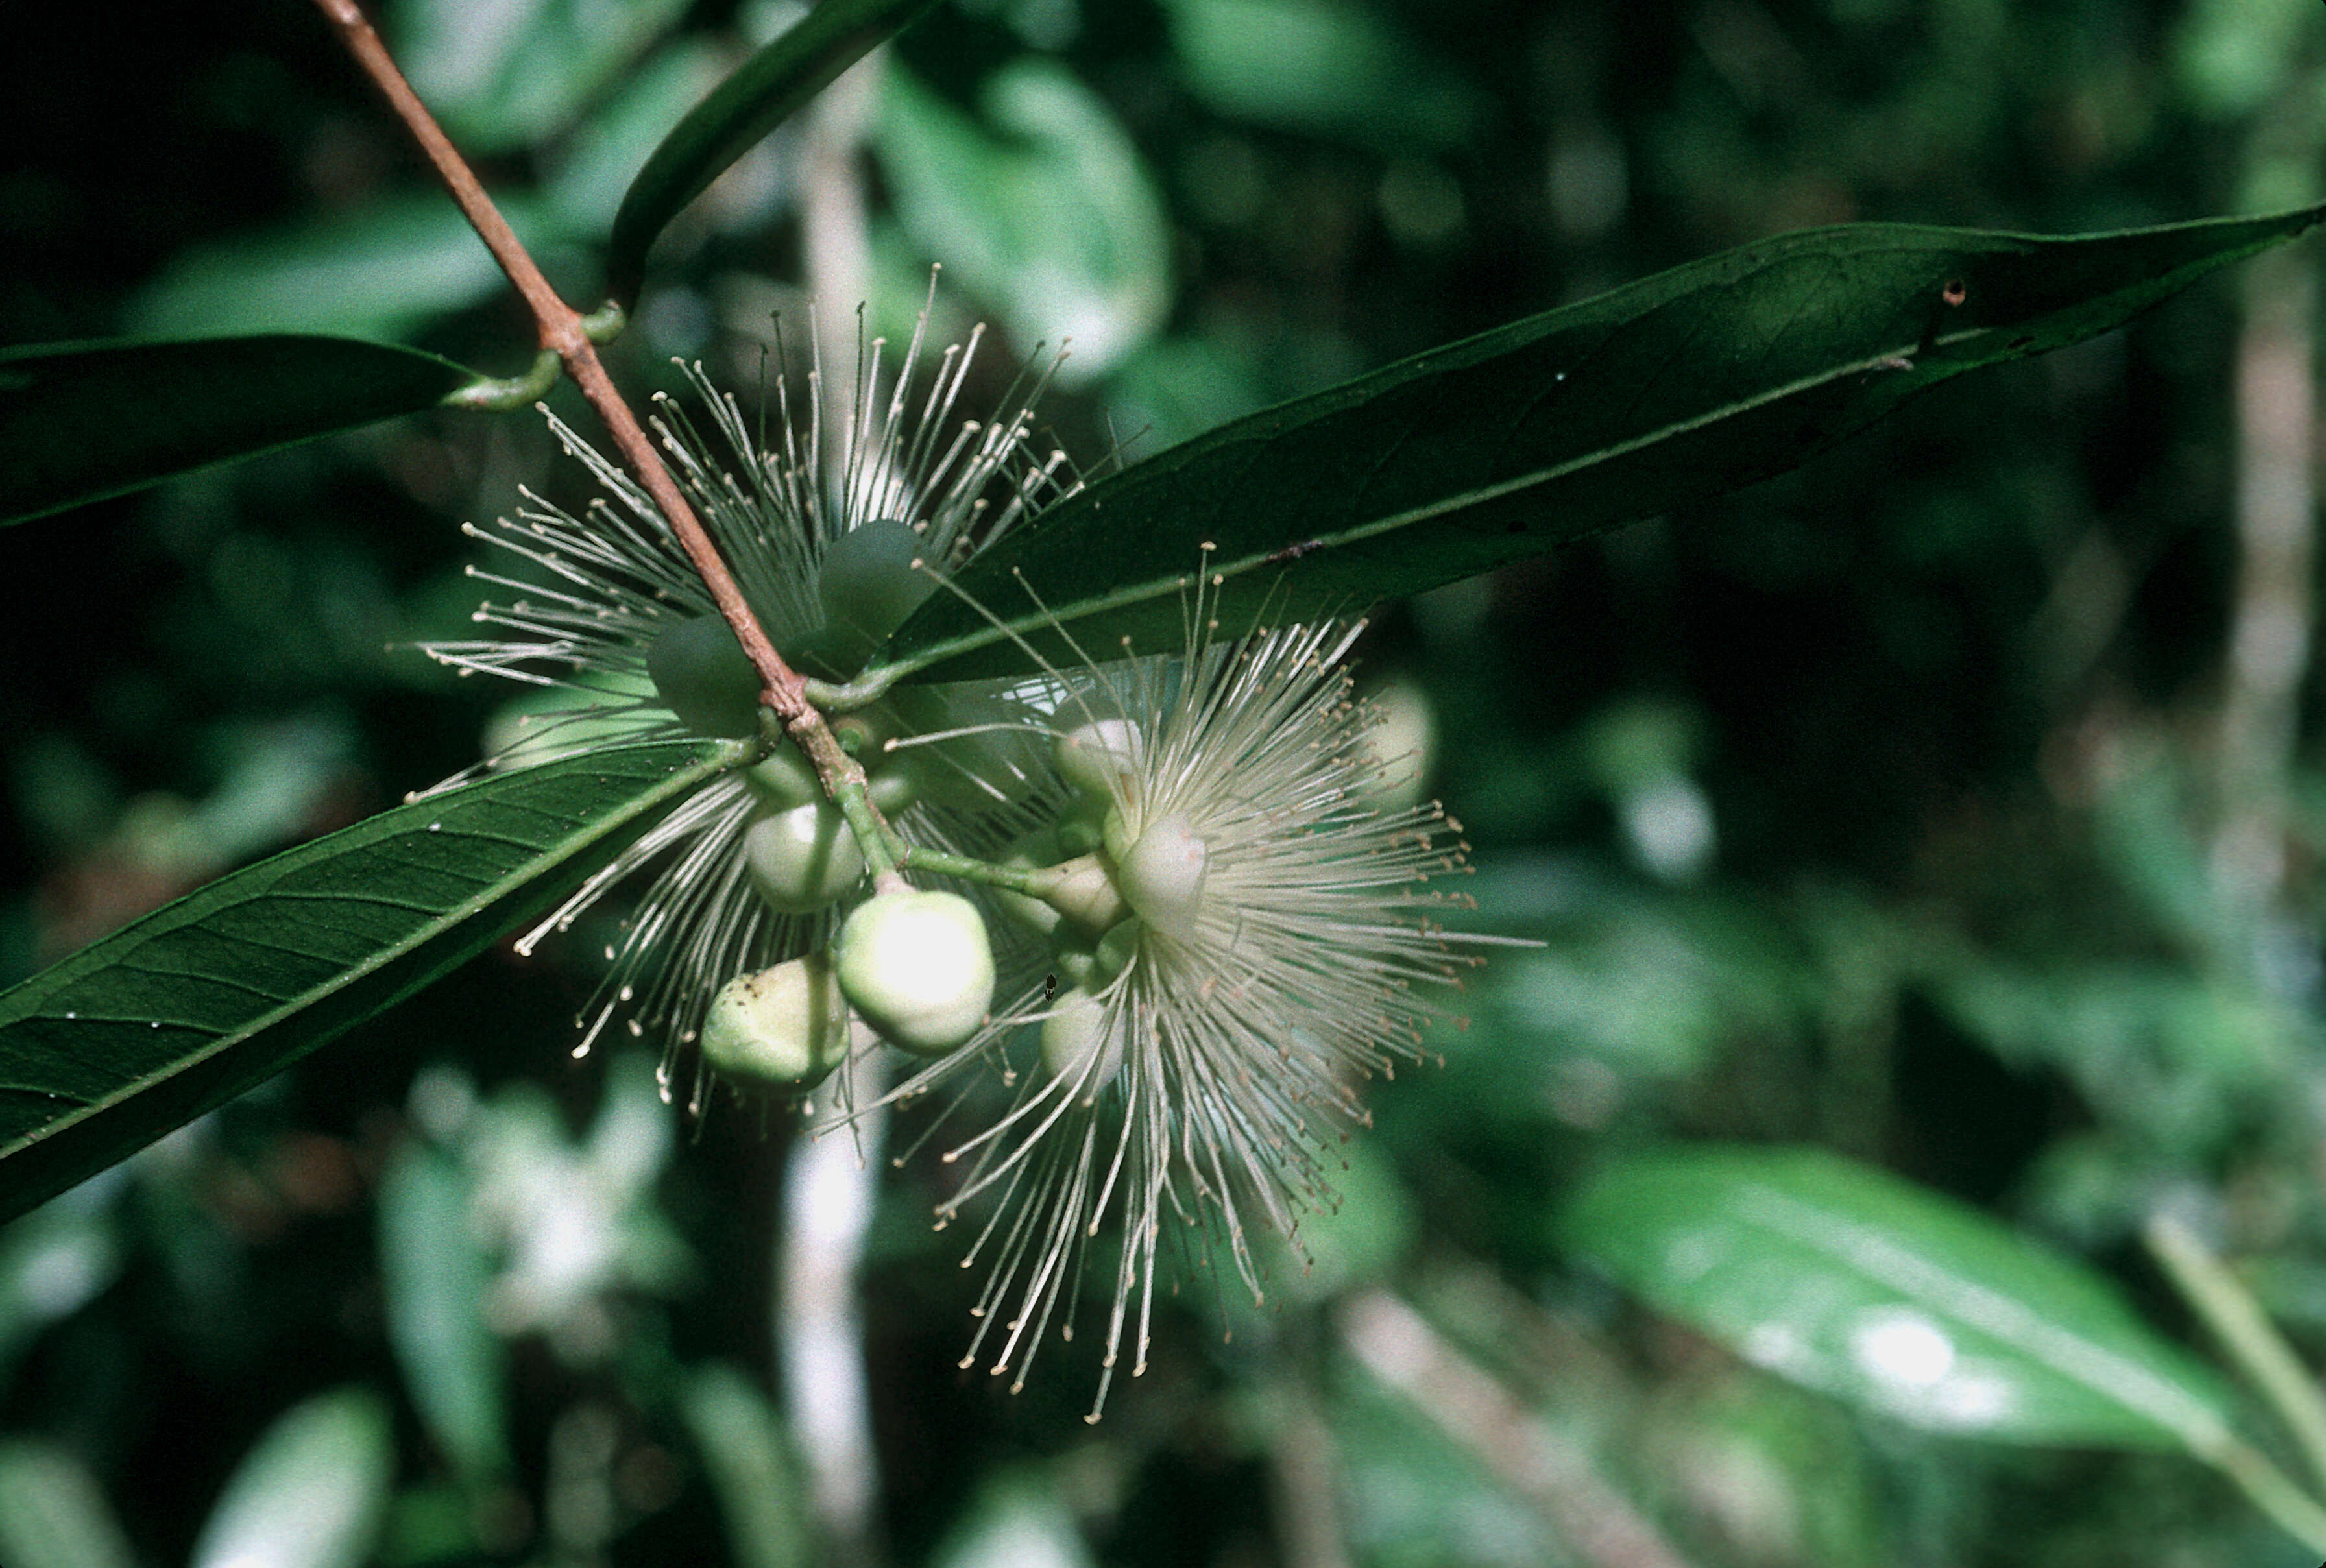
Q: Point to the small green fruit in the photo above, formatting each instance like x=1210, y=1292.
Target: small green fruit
x=782, y=1028
x=1114, y=952
x=1083, y=831
x=701, y=673
x=802, y=860
x=918, y=967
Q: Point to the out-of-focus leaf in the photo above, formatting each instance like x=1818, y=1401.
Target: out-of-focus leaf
x=1055, y=221
x=189, y=1006
x=1356, y=1235
x=379, y=272
x=740, y=1441
x=1016, y=1521
x=505, y=74
x=2181, y=1059
x=1318, y=66
x=81, y=422
x=596, y=164
x=1846, y=1279
x=768, y=88
x=52, y=1513
x=436, y=1276
x=1414, y=1496
x=2233, y=56
x=1695, y=382
x=1176, y=388
x=52, y=1263
x=311, y=1493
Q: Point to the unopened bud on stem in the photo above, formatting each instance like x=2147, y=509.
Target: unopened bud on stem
x=918, y=967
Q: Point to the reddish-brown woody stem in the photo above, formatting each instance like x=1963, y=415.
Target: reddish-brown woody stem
x=562, y=333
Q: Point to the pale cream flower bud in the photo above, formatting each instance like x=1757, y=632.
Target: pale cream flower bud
x=918, y=967
x=782, y=1028
x=802, y=860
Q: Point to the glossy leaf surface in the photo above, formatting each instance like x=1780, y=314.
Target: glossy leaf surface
x=180, y=1011
x=768, y=88
x=81, y=422
x=1844, y=1279
x=1687, y=385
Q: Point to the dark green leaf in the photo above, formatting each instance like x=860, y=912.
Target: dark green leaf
x=777, y=80
x=1695, y=382
x=81, y=422
x=193, y=1004
x=1849, y=1280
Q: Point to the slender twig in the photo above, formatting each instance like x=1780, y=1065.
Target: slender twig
x=565, y=332
x=2267, y=1487
x=2245, y=1331
x=1598, y=1524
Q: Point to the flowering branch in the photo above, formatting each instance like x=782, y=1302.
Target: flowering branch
x=566, y=333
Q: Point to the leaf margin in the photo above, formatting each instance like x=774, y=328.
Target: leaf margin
x=37, y=1164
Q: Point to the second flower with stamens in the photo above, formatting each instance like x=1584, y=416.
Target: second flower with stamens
x=1233, y=938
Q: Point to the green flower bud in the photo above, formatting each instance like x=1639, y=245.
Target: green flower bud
x=896, y=785
x=783, y=779
x=802, y=860
x=918, y=967
x=1080, y=1043
x=702, y=674
x=867, y=584
x=1114, y=952
x=782, y=1028
x=1094, y=756
x=1082, y=831
x=1162, y=872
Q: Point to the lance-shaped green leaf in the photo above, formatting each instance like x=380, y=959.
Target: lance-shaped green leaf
x=185, y=1008
x=80, y=421
x=1697, y=381
x=1849, y=1280
x=766, y=89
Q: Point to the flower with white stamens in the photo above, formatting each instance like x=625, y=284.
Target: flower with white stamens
x=833, y=527
x=1188, y=1069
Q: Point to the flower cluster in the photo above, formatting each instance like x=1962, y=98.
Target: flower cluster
x=821, y=527
x=1209, y=932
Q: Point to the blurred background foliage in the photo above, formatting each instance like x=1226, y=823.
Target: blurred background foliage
x=1952, y=805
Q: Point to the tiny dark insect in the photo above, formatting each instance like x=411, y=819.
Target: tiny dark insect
x=1954, y=293
x=1295, y=552
x=1049, y=988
